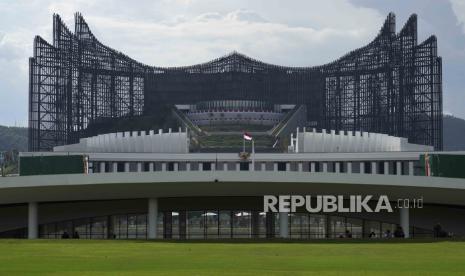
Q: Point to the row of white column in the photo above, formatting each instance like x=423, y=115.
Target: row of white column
x=33, y=219
x=152, y=219
x=312, y=167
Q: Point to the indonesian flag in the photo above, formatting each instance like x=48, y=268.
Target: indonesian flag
x=427, y=165
x=247, y=136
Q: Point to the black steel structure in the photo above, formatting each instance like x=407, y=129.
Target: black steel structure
x=393, y=85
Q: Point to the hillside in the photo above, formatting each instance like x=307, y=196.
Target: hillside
x=13, y=138
x=454, y=135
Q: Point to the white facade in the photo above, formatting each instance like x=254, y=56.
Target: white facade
x=170, y=142
x=351, y=142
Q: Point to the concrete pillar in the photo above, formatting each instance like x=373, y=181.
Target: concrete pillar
x=374, y=169
x=152, y=218
x=288, y=167
x=284, y=225
x=399, y=167
x=225, y=166
x=405, y=221
x=386, y=167
x=176, y=166
x=275, y=167
x=102, y=167
x=115, y=167
x=139, y=166
x=201, y=166
x=188, y=166
x=410, y=168
x=312, y=166
x=337, y=168
x=33, y=221
x=349, y=167
x=238, y=166
x=151, y=167
x=325, y=167
x=163, y=167
x=300, y=166
x=263, y=167
x=213, y=166
x=126, y=167
x=362, y=167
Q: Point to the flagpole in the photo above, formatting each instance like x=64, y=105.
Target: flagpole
x=243, y=143
x=253, y=155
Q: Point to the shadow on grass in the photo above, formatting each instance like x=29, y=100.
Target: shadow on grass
x=254, y=241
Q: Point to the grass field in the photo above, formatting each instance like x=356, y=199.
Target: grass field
x=86, y=257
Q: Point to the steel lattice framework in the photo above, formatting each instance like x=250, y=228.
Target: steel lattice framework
x=393, y=85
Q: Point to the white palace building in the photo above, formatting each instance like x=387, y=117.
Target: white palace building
x=152, y=185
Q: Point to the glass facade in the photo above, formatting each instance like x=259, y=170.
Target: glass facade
x=222, y=224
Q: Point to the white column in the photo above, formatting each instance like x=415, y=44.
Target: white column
x=288, y=167
x=176, y=166
x=152, y=218
x=373, y=168
x=163, y=167
x=102, y=167
x=283, y=225
x=115, y=167
x=238, y=166
x=275, y=167
x=126, y=167
x=201, y=166
x=225, y=166
x=386, y=167
x=362, y=167
x=405, y=221
x=139, y=167
x=338, y=167
x=300, y=166
x=312, y=166
x=188, y=166
x=399, y=167
x=410, y=168
x=32, y=221
x=213, y=166
x=325, y=167
x=349, y=167
x=151, y=167
x=263, y=166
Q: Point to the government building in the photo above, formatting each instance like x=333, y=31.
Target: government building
x=122, y=150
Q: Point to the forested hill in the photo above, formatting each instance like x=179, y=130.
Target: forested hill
x=454, y=135
x=13, y=138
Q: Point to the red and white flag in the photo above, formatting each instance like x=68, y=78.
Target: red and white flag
x=247, y=136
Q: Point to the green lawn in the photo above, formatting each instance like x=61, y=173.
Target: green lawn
x=85, y=257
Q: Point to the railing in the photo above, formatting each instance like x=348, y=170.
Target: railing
x=338, y=167
x=187, y=122
x=283, y=128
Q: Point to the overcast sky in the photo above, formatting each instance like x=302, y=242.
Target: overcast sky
x=183, y=32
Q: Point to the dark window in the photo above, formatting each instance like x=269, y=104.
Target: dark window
x=207, y=166
x=368, y=167
x=381, y=167
x=146, y=166
x=244, y=166
x=120, y=167
x=281, y=166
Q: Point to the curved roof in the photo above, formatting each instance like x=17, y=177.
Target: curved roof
x=73, y=187
x=386, y=39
